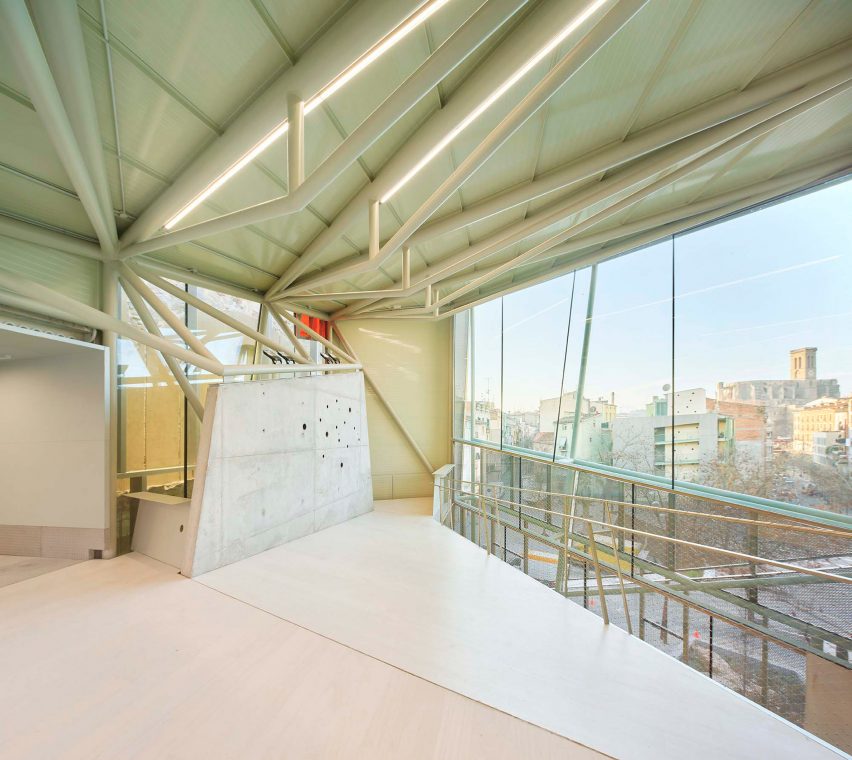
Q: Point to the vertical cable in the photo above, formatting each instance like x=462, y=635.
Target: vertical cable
x=673, y=358
x=501, y=372
x=186, y=408
x=564, y=361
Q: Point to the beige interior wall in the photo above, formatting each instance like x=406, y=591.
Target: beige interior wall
x=409, y=361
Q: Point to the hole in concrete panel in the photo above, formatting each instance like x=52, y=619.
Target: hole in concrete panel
x=304, y=426
x=350, y=408
x=341, y=466
x=181, y=529
x=326, y=433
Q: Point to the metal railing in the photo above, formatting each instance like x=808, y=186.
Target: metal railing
x=735, y=590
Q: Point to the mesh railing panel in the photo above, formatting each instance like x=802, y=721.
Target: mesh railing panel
x=746, y=624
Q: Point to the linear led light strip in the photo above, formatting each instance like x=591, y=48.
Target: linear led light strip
x=495, y=95
x=326, y=92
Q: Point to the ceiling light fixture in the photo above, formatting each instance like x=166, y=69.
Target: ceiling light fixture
x=495, y=95
x=326, y=92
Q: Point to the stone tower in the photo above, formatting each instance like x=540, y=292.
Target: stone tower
x=803, y=364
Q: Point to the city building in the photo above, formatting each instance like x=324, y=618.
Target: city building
x=820, y=416
x=374, y=379
x=556, y=416
x=680, y=441
x=781, y=397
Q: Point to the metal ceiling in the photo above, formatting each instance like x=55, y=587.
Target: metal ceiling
x=635, y=124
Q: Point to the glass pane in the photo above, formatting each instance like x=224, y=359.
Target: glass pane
x=764, y=351
x=486, y=369
x=557, y=415
x=629, y=365
x=535, y=326
x=228, y=345
x=151, y=408
x=461, y=376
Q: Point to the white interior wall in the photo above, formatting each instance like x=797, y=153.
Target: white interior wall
x=409, y=360
x=53, y=452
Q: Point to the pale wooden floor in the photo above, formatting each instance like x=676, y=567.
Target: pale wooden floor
x=14, y=569
x=396, y=585
x=126, y=659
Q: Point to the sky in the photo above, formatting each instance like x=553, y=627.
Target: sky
x=747, y=290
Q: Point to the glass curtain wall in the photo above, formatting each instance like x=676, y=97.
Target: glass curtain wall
x=158, y=429
x=720, y=358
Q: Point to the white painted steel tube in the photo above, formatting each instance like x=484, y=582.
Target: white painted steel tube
x=21, y=40
x=359, y=29
x=570, y=64
x=99, y=320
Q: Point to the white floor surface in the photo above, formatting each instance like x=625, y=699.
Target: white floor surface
x=399, y=587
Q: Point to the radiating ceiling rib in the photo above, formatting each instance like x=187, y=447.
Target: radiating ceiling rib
x=757, y=123
x=647, y=140
x=476, y=28
x=114, y=109
x=61, y=35
x=826, y=171
x=39, y=181
x=22, y=39
x=676, y=39
x=333, y=52
x=127, y=52
x=761, y=63
x=595, y=38
x=532, y=33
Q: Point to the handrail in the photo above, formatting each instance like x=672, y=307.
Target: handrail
x=687, y=490
x=750, y=558
x=154, y=471
x=612, y=558
x=841, y=532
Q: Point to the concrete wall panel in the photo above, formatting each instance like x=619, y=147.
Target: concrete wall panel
x=278, y=459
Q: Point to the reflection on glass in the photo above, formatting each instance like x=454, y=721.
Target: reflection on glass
x=763, y=352
x=626, y=422
x=150, y=403
x=487, y=321
x=225, y=343
x=558, y=414
x=755, y=394
x=535, y=326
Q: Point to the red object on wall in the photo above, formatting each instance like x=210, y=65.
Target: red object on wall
x=315, y=323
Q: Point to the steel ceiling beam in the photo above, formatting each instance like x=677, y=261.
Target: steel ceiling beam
x=61, y=33
x=595, y=39
x=644, y=142
x=760, y=193
x=644, y=170
x=367, y=22
x=174, y=366
x=636, y=196
x=31, y=233
x=467, y=38
x=536, y=29
x=86, y=315
x=22, y=41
